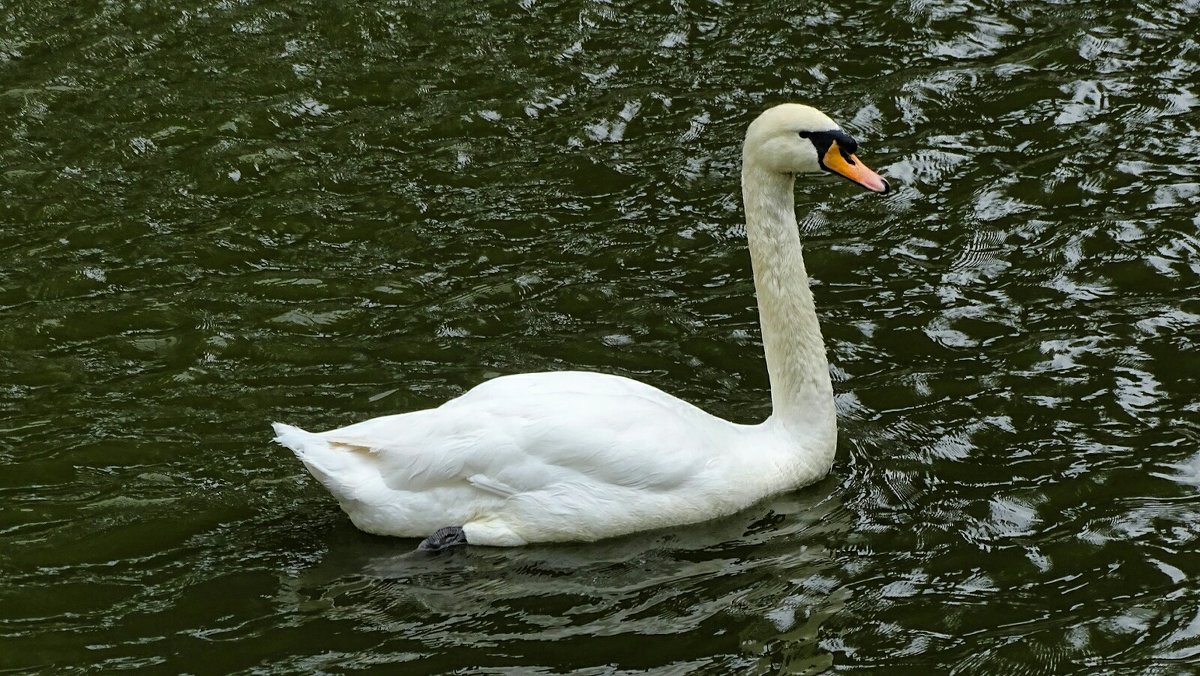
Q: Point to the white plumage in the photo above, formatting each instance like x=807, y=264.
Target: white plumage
x=570, y=455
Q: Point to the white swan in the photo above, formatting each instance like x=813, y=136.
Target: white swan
x=543, y=457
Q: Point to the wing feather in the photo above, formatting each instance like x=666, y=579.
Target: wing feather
x=519, y=434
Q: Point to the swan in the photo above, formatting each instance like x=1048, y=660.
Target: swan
x=580, y=456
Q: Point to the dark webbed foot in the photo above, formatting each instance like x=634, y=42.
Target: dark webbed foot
x=443, y=538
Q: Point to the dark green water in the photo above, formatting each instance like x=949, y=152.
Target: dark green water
x=216, y=215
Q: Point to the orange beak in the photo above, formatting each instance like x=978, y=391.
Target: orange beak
x=852, y=168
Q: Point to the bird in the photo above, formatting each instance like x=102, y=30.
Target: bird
x=577, y=456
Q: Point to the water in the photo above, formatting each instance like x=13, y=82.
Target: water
x=213, y=216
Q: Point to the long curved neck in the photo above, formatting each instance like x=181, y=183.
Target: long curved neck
x=801, y=392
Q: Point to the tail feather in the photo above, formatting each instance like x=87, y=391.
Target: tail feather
x=342, y=470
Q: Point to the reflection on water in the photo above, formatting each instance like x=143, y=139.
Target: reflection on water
x=660, y=586
x=215, y=216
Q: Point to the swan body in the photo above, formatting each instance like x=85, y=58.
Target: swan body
x=578, y=456
x=553, y=456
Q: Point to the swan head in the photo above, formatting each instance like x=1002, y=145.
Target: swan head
x=792, y=138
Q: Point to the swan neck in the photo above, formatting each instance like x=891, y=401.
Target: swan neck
x=801, y=391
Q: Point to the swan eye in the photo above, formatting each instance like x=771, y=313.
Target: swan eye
x=823, y=140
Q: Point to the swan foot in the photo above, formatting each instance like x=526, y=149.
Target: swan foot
x=443, y=538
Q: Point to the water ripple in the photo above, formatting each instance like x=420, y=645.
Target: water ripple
x=220, y=215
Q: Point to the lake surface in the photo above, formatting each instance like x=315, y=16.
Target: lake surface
x=218, y=215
